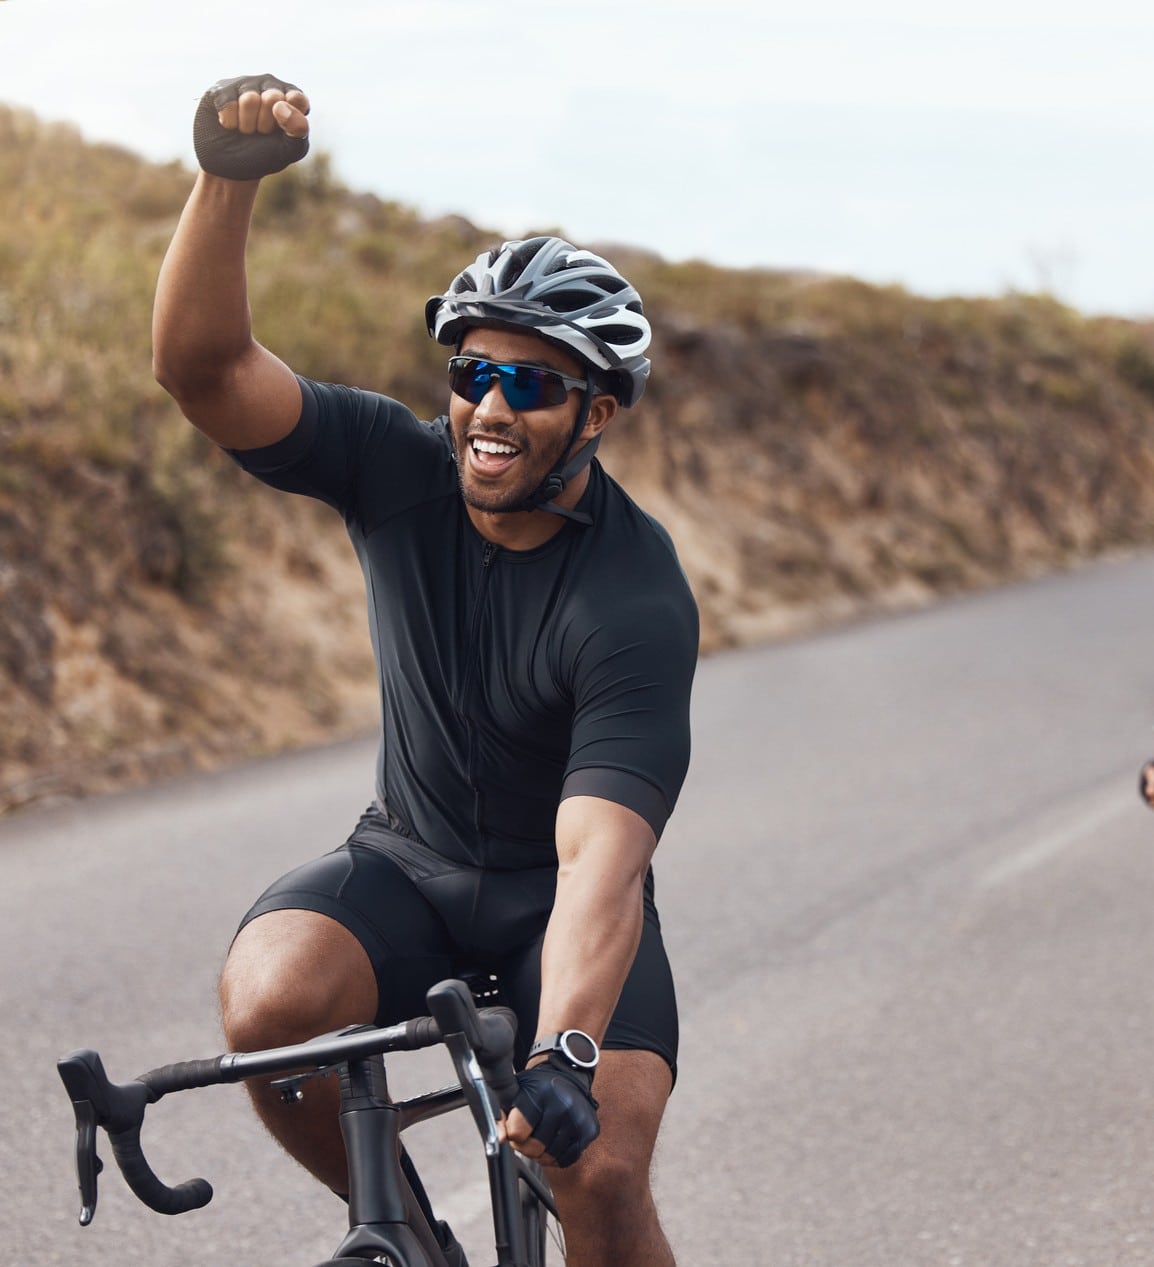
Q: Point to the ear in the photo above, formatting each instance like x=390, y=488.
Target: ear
x=601, y=413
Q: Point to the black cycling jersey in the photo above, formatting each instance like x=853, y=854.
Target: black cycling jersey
x=509, y=679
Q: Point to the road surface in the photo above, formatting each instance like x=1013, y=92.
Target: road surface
x=908, y=894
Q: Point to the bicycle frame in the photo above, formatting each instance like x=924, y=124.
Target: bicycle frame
x=386, y=1215
x=384, y=1209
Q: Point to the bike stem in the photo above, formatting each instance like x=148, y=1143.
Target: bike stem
x=370, y=1126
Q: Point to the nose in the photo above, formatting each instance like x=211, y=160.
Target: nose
x=493, y=404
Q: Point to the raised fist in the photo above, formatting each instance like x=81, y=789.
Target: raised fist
x=250, y=127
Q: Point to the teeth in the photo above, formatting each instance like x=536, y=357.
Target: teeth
x=491, y=446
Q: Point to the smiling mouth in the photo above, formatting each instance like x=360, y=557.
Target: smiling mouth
x=489, y=456
x=496, y=448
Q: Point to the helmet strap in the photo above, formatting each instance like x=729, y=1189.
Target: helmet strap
x=554, y=483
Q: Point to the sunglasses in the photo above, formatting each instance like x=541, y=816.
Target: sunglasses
x=524, y=387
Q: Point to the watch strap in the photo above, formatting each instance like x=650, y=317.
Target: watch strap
x=548, y=1043
x=554, y=1043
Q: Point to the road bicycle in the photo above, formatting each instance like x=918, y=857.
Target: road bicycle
x=391, y=1220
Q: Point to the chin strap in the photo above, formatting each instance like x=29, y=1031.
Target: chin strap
x=563, y=472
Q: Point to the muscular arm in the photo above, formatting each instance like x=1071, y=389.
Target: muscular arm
x=204, y=354
x=603, y=852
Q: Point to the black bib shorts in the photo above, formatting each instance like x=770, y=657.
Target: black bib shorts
x=421, y=919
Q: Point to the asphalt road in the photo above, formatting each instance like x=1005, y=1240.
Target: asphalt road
x=908, y=895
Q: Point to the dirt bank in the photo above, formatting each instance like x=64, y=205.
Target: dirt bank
x=818, y=449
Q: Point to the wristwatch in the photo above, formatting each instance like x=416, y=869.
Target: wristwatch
x=573, y=1045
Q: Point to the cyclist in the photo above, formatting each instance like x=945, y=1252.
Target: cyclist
x=535, y=639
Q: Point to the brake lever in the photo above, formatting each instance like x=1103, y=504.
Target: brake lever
x=88, y=1163
x=88, y=1089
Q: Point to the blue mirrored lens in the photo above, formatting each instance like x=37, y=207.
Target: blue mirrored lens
x=524, y=387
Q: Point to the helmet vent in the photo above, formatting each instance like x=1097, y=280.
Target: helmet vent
x=520, y=259
x=568, y=300
x=618, y=334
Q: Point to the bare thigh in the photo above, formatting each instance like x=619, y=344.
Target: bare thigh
x=292, y=974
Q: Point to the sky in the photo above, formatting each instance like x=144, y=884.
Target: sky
x=952, y=148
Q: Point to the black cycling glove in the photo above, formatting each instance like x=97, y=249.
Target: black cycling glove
x=242, y=155
x=557, y=1102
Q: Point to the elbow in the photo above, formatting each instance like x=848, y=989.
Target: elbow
x=164, y=374
x=171, y=372
x=186, y=381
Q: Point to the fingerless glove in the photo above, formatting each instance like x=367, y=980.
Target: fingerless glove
x=240, y=155
x=557, y=1102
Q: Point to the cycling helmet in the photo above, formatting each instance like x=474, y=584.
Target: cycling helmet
x=560, y=292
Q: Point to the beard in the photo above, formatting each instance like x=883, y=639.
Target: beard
x=531, y=468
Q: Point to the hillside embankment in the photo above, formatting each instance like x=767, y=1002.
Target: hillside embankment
x=818, y=448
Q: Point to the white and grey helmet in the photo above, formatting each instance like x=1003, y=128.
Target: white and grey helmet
x=560, y=292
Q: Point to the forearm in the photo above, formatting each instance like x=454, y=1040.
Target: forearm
x=589, y=948
x=603, y=853
x=201, y=321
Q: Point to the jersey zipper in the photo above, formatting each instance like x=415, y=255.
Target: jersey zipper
x=472, y=668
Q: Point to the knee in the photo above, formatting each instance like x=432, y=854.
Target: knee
x=288, y=979
x=265, y=1008
x=604, y=1182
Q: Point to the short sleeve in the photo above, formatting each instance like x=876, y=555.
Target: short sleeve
x=364, y=454
x=631, y=731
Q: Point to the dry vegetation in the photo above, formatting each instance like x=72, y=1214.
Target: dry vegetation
x=819, y=448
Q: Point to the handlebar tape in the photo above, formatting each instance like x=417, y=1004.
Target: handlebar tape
x=185, y=1075
x=140, y=1177
x=420, y=1033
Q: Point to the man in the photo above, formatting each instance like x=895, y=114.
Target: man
x=535, y=639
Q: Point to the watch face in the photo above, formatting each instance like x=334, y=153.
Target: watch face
x=579, y=1047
